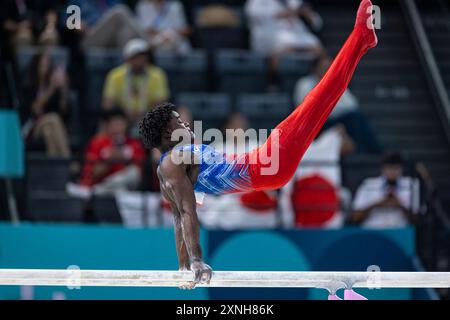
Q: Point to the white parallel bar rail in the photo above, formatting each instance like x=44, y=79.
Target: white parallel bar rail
x=301, y=279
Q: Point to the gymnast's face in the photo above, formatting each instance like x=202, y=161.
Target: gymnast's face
x=178, y=131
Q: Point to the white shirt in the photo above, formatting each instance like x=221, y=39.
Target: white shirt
x=169, y=16
x=346, y=103
x=169, y=19
x=322, y=157
x=373, y=190
x=269, y=33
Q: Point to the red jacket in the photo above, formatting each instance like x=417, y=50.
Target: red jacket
x=100, y=148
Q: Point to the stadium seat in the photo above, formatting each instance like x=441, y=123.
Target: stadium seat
x=224, y=2
x=103, y=59
x=74, y=123
x=292, y=67
x=59, y=55
x=218, y=25
x=264, y=111
x=357, y=167
x=49, y=174
x=105, y=210
x=46, y=181
x=214, y=38
x=98, y=63
x=185, y=72
x=212, y=109
x=241, y=71
x=54, y=206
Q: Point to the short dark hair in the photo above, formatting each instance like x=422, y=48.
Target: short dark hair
x=107, y=115
x=392, y=158
x=155, y=121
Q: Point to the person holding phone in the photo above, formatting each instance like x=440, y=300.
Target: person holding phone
x=388, y=201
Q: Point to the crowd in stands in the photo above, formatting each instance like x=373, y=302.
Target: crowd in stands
x=112, y=157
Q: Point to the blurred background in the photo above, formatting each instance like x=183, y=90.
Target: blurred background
x=77, y=188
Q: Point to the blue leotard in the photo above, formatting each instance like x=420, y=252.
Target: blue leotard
x=216, y=174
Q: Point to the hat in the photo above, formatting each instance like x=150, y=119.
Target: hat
x=134, y=47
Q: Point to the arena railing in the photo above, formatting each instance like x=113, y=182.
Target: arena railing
x=430, y=67
x=433, y=228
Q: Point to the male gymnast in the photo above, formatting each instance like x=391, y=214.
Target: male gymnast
x=181, y=180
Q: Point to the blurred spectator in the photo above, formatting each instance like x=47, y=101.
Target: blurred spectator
x=46, y=105
x=217, y=15
x=25, y=23
x=113, y=160
x=236, y=138
x=235, y=121
x=107, y=23
x=388, y=201
x=16, y=26
x=165, y=25
x=346, y=111
x=49, y=35
x=237, y=142
x=276, y=28
x=136, y=85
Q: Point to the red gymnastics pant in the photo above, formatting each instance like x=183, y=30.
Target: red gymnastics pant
x=298, y=130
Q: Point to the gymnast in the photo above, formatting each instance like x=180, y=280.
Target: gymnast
x=187, y=169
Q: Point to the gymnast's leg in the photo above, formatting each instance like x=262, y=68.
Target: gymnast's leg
x=275, y=162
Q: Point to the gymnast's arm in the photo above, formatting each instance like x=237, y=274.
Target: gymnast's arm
x=178, y=187
x=182, y=253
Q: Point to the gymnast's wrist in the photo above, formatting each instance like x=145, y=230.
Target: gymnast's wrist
x=194, y=260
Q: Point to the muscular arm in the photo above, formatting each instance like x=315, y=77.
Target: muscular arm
x=182, y=253
x=177, y=186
